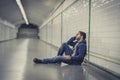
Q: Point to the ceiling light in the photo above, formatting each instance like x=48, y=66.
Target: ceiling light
x=22, y=10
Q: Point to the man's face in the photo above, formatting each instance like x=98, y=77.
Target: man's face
x=78, y=36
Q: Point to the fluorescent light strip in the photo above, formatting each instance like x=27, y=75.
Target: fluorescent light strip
x=22, y=10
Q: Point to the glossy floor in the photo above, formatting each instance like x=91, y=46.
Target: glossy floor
x=16, y=64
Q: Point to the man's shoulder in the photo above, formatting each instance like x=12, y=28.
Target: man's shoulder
x=82, y=44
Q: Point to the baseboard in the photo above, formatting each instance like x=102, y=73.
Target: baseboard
x=7, y=40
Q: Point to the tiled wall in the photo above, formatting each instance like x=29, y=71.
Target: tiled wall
x=52, y=31
x=75, y=18
x=104, y=29
x=7, y=31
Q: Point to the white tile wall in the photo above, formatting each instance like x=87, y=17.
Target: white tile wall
x=105, y=30
x=56, y=31
x=49, y=32
x=75, y=19
x=59, y=10
x=44, y=33
x=7, y=31
x=106, y=64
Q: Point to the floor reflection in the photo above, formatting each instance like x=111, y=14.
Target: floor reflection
x=55, y=72
x=73, y=73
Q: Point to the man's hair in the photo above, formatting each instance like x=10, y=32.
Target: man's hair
x=83, y=34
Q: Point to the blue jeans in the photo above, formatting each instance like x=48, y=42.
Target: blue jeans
x=59, y=58
x=65, y=48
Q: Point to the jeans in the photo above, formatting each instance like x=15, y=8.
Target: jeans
x=65, y=48
x=59, y=58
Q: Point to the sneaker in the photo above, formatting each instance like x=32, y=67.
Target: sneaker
x=37, y=61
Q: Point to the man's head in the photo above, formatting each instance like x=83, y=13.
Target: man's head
x=81, y=35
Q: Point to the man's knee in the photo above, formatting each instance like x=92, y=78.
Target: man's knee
x=64, y=44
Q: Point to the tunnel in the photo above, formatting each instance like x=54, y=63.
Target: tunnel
x=33, y=33
x=28, y=31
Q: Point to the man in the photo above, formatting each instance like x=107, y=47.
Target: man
x=74, y=49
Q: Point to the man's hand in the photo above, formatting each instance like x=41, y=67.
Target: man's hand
x=67, y=57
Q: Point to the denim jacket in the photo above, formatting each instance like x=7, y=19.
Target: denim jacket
x=80, y=51
x=71, y=41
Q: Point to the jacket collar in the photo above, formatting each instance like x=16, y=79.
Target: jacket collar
x=83, y=41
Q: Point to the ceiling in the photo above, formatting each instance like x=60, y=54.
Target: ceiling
x=37, y=11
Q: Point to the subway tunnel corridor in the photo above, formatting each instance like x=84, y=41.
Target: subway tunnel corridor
x=37, y=28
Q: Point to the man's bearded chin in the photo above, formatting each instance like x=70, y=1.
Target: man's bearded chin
x=77, y=39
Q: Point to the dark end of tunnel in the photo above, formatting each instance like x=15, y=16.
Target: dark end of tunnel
x=28, y=31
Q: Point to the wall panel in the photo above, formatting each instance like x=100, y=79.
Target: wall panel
x=6, y=29
x=75, y=19
x=56, y=30
x=49, y=32
x=105, y=30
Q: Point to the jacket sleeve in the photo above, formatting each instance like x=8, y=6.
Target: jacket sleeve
x=81, y=53
x=70, y=41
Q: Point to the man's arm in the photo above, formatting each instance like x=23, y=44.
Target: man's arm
x=70, y=41
x=81, y=52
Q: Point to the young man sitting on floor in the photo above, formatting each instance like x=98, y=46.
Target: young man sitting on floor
x=74, y=49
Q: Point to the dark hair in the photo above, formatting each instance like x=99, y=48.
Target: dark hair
x=83, y=34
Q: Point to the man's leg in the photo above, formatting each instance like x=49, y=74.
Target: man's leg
x=57, y=59
x=64, y=48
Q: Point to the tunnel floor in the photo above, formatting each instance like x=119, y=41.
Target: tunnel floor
x=16, y=64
